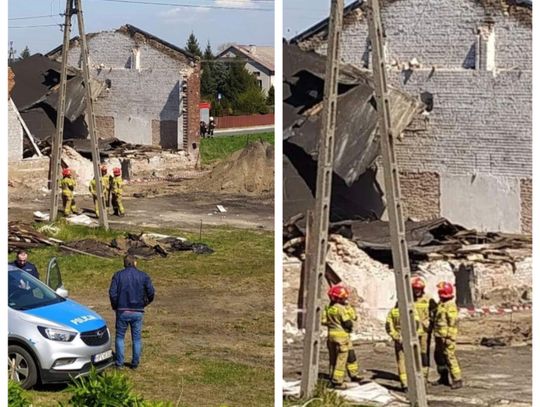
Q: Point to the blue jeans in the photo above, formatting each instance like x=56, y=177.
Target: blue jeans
x=135, y=321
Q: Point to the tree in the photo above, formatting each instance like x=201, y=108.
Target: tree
x=251, y=101
x=25, y=53
x=239, y=80
x=208, y=79
x=192, y=46
x=270, y=96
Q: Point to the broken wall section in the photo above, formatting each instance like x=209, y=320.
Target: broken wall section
x=479, y=281
x=146, y=100
x=479, y=124
x=15, y=135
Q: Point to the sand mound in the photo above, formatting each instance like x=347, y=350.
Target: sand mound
x=249, y=171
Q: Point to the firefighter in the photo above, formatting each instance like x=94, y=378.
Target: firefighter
x=338, y=316
x=105, y=184
x=393, y=328
x=68, y=185
x=445, y=331
x=425, y=308
x=211, y=127
x=116, y=192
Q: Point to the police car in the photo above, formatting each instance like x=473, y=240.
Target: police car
x=51, y=338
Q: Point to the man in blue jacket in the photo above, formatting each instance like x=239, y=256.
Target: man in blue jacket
x=23, y=263
x=131, y=290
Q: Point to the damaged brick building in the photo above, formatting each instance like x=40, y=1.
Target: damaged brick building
x=152, y=88
x=468, y=156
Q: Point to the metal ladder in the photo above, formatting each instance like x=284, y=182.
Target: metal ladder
x=400, y=255
x=75, y=7
x=317, y=240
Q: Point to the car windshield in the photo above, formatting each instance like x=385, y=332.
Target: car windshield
x=27, y=292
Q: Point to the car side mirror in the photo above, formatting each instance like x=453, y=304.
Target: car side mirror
x=62, y=292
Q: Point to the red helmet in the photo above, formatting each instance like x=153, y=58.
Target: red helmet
x=338, y=292
x=116, y=171
x=445, y=290
x=418, y=283
x=66, y=172
x=103, y=170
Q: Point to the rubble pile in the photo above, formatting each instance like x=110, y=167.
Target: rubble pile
x=488, y=269
x=143, y=245
x=82, y=168
x=249, y=171
x=148, y=245
x=23, y=236
x=372, y=285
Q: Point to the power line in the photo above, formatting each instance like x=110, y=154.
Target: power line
x=34, y=26
x=32, y=17
x=189, y=5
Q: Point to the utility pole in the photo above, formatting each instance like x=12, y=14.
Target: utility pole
x=317, y=242
x=11, y=54
x=75, y=7
x=400, y=256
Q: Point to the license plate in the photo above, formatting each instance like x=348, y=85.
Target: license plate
x=100, y=357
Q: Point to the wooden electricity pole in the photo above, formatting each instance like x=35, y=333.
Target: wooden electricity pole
x=317, y=241
x=400, y=256
x=75, y=7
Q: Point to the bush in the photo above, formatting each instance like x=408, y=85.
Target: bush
x=111, y=389
x=251, y=101
x=17, y=395
x=270, y=96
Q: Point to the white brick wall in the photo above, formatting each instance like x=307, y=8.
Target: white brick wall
x=135, y=96
x=15, y=136
x=480, y=123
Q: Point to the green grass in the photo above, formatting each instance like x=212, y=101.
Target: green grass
x=218, y=148
x=208, y=336
x=69, y=232
x=322, y=397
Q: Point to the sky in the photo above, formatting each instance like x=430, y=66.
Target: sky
x=299, y=15
x=217, y=21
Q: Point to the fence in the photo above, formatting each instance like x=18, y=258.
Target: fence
x=228, y=122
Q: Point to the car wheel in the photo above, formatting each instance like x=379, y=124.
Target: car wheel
x=21, y=366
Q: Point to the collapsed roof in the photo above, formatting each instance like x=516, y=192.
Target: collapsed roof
x=36, y=95
x=355, y=194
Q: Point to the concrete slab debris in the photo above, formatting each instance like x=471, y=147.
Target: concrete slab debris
x=83, y=220
x=371, y=393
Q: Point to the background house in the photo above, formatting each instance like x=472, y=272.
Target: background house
x=468, y=157
x=152, y=87
x=259, y=61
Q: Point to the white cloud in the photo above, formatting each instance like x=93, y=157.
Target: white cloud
x=184, y=14
x=234, y=3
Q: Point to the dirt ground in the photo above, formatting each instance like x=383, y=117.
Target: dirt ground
x=208, y=335
x=162, y=205
x=493, y=376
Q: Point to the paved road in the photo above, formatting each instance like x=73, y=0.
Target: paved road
x=241, y=131
x=493, y=377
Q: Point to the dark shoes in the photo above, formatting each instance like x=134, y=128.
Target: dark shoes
x=441, y=382
x=458, y=384
x=358, y=379
x=339, y=386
